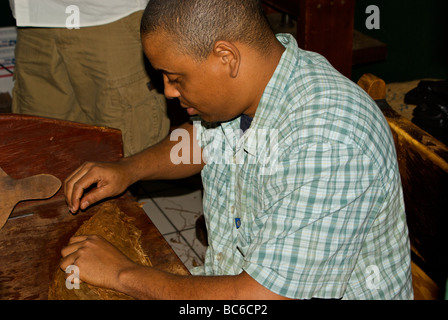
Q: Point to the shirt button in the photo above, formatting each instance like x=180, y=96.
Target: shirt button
x=219, y=256
x=232, y=209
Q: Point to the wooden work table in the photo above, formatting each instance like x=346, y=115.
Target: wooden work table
x=32, y=238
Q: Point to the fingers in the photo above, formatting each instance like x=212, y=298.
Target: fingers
x=97, y=260
x=79, y=181
x=75, y=185
x=111, y=179
x=69, y=253
x=77, y=239
x=102, y=191
x=72, y=251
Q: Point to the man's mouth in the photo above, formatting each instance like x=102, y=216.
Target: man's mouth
x=191, y=111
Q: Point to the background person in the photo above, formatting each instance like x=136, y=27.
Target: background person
x=95, y=74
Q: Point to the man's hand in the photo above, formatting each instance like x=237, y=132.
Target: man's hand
x=103, y=265
x=99, y=262
x=111, y=179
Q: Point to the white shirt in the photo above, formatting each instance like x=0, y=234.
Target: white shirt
x=72, y=13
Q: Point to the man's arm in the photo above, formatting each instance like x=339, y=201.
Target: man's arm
x=111, y=179
x=101, y=264
x=151, y=283
x=155, y=163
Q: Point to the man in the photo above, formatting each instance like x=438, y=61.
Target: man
x=302, y=195
x=85, y=63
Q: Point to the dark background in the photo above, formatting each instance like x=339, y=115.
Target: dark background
x=416, y=34
x=415, y=31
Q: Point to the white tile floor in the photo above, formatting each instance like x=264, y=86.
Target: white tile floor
x=174, y=209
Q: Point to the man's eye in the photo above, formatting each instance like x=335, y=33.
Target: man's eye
x=173, y=81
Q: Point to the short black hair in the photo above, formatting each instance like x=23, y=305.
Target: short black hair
x=198, y=24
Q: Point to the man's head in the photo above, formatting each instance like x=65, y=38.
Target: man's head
x=216, y=56
x=198, y=24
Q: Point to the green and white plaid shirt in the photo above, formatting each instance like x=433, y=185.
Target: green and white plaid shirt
x=308, y=201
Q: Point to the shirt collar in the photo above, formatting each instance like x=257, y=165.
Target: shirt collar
x=270, y=106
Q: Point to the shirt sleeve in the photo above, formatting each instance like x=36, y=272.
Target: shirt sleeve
x=318, y=207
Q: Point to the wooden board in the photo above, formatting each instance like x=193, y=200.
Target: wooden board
x=32, y=238
x=423, y=163
x=424, y=287
x=31, y=247
x=32, y=145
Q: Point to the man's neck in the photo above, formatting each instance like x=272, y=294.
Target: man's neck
x=263, y=69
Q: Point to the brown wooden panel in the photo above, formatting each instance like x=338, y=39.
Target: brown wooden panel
x=423, y=163
x=31, y=249
x=326, y=27
x=32, y=238
x=32, y=145
x=31, y=246
x=323, y=26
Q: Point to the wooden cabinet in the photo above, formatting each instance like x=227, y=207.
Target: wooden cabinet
x=327, y=27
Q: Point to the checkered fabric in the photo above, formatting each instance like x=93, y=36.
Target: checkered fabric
x=308, y=201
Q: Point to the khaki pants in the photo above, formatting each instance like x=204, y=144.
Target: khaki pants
x=92, y=75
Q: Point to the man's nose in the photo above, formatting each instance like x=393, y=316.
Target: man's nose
x=170, y=90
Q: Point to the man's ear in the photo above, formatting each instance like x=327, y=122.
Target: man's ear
x=229, y=55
